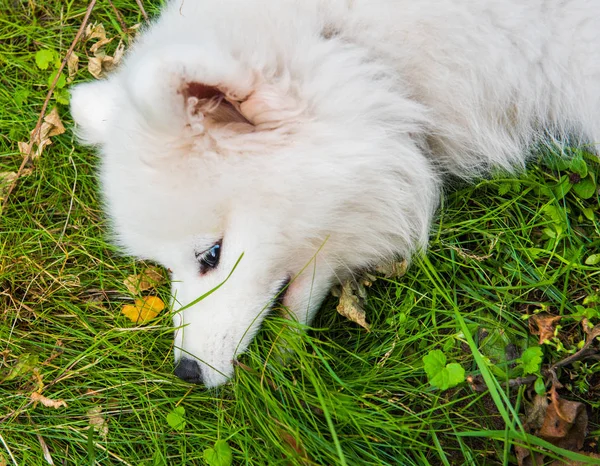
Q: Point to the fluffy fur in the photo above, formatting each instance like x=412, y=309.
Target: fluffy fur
x=311, y=136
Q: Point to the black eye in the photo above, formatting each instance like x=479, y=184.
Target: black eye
x=209, y=259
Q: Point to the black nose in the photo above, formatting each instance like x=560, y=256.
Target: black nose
x=189, y=371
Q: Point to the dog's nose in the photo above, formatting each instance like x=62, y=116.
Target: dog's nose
x=189, y=371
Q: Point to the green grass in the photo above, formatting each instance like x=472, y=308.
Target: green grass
x=342, y=396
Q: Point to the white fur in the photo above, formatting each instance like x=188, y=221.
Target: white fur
x=344, y=116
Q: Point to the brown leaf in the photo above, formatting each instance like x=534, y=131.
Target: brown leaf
x=543, y=325
x=98, y=66
x=51, y=126
x=101, y=43
x=393, y=269
x=119, y=52
x=47, y=402
x=72, y=66
x=97, y=421
x=24, y=148
x=54, y=126
x=149, y=278
x=560, y=422
x=6, y=179
x=349, y=306
x=3, y=461
x=95, y=31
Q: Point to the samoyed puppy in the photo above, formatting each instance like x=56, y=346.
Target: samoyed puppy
x=265, y=148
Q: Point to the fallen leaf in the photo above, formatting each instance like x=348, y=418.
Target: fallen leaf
x=72, y=66
x=544, y=326
x=54, y=126
x=3, y=461
x=24, y=148
x=6, y=179
x=101, y=62
x=97, y=421
x=95, y=31
x=561, y=422
x=47, y=402
x=101, y=43
x=98, y=66
x=149, y=278
x=349, y=306
x=51, y=126
x=393, y=269
x=144, y=309
x=119, y=52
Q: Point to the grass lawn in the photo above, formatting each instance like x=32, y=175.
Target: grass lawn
x=80, y=384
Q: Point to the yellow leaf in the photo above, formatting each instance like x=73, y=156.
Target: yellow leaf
x=144, y=309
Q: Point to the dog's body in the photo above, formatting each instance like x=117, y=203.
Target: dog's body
x=311, y=136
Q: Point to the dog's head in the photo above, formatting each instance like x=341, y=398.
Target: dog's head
x=254, y=179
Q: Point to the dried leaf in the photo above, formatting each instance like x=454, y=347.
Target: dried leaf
x=101, y=43
x=95, y=31
x=98, y=66
x=144, y=309
x=6, y=179
x=97, y=421
x=544, y=326
x=51, y=126
x=24, y=148
x=3, y=461
x=95, y=67
x=349, y=306
x=72, y=65
x=149, y=278
x=47, y=402
x=45, y=450
x=560, y=422
x=393, y=269
x=54, y=125
x=119, y=52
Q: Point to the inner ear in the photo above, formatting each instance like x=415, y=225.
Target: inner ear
x=210, y=105
x=200, y=91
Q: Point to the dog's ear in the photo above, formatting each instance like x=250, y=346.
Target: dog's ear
x=191, y=86
x=92, y=106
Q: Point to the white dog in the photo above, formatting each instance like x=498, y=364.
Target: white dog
x=308, y=138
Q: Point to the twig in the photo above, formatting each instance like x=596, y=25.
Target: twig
x=141, y=6
x=119, y=17
x=36, y=131
x=585, y=352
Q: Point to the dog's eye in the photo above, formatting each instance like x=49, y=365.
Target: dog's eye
x=209, y=259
